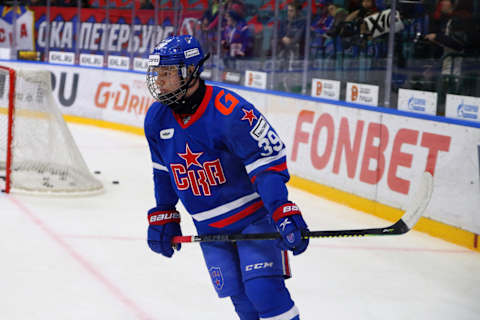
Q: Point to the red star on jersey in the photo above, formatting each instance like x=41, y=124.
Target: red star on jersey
x=191, y=157
x=248, y=116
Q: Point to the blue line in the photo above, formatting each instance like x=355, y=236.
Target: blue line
x=378, y=109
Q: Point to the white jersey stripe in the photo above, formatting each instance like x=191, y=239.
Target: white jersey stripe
x=286, y=264
x=224, y=208
x=159, y=167
x=263, y=161
x=293, y=312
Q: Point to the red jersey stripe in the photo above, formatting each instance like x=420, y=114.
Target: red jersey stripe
x=286, y=264
x=238, y=216
x=277, y=168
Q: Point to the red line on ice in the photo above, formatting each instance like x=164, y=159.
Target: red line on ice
x=82, y=261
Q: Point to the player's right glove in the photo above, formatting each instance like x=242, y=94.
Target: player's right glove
x=290, y=224
x=163, y=226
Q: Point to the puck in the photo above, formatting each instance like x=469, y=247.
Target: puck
x=115, y=182
x=97, y=172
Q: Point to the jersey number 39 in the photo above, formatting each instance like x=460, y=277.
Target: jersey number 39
x=270, y=142
x=267, y=139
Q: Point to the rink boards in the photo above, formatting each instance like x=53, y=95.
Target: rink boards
x=366, y=157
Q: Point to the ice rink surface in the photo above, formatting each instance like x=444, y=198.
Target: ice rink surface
x=87, y=257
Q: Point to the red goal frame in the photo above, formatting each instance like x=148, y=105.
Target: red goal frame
x=11, y=108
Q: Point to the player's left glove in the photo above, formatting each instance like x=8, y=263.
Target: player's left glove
x=163, y=226
x=289, y=222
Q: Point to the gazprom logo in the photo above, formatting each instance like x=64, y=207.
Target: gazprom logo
x=467, y=111
x=417, y=104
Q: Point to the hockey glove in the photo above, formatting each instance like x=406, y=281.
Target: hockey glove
x=163, y=226
x=289, y=222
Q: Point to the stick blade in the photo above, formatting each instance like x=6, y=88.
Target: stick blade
x=420, y=201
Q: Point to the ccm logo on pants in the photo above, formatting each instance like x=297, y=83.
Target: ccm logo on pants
x=261, y=265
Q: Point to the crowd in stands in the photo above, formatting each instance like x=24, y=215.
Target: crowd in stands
x=332, y=18
x=437, y=44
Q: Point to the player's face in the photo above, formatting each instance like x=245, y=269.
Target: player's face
x=167, y=79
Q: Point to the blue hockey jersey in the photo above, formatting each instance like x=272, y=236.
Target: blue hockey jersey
x=225, y=163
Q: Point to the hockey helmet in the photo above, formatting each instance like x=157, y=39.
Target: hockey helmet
x=171, y=57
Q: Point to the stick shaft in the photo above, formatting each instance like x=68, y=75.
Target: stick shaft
x=408, y=220
x=398, y=228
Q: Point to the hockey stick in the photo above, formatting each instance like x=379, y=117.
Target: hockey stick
x=408, y=220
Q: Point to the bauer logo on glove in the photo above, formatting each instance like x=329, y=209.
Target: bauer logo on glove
x=163, y=226
x=162, y=218
x=290, y=224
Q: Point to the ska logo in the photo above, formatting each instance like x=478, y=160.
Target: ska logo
x=195, y=175
x=217, y=277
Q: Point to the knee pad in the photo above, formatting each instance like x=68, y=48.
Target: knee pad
x=243, y=307
x=271, y=298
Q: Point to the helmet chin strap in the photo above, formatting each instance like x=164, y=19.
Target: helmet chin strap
x=180, y=106
x=195, y=74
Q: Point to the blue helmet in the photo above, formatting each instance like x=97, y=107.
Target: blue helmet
x=177, y=52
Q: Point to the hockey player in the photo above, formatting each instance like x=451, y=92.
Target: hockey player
x=218, y=154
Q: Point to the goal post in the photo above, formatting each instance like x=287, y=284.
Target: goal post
x=7, y=89
x=37, y=151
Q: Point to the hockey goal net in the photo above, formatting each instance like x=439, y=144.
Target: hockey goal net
x=37, y=151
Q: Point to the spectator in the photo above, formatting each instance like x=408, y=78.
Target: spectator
x=36, y=3
x=357, y=17
x=453, y=27
x=235, y=5
x=211, y=14
x=354, y=5
x=322, y=21
x=207, y=36
x=292, y=33
x=63, y=3
x=146, y=5
x=208, y=26
x=338, y=15
x=236, y=39
x=368, y=7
